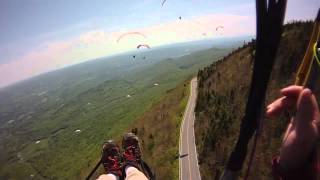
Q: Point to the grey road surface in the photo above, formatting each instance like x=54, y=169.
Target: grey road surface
x=188, y=160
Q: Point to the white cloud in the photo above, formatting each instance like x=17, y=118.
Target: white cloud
x=98, y=43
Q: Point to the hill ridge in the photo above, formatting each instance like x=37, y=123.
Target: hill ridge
x=222, y=95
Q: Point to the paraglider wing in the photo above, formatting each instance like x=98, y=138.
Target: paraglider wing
x=143, y=45
x=219, y=27
x=163, y=2
x=130, y=33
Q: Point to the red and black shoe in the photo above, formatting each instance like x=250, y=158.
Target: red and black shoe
x=111, y=158
x=132, y=151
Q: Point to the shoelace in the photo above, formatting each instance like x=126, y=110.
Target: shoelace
x=132, y=153
x=114, y=163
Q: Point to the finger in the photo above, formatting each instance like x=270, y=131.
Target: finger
x=290, y=128
x=279, y=105
x=291, y=91
x=307, y=108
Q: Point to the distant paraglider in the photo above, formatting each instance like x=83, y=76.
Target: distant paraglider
x=219, y=27
x=164, y=1
x=129, y=34
x=77, y=131
x=143, y=45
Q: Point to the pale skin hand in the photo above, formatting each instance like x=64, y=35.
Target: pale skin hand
x=303, y=130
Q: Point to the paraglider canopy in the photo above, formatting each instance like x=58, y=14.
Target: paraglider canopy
x=219, y=30
x=130, y=34
x=219, y=27
x=143, y=45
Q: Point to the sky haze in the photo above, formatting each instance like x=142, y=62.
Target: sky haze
x=38, y=36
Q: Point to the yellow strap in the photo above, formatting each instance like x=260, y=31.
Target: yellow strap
x=315, y=54
x=305, y=66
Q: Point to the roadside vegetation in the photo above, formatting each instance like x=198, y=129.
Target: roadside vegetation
x=159, y=131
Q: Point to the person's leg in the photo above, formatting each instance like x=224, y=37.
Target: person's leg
x=134, y=174
x=108, y=177
x=132, y=156
x=111, y=161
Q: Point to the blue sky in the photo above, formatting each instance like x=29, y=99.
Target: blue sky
x=31, y=18
x=26, y=23
x=33, y=21
x=40, y=29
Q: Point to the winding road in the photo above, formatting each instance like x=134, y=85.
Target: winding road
x=188, y=160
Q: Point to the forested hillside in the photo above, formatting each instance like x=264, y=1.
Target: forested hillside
x=52, y=125
x=222, y=95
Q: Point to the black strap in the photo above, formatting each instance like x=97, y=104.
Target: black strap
x=94, y=169
x=147, y=170
x=270, y=16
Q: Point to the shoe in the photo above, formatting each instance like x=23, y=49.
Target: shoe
x=111, y=158
x=132, y=151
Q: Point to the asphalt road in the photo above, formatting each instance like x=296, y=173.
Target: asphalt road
x=188, y=161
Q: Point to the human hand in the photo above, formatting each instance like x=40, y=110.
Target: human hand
x=303, y=130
